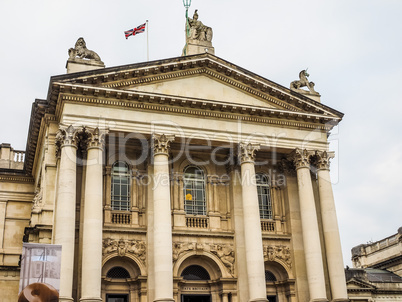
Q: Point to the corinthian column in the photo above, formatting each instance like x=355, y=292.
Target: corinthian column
x=66, y=143
x=92, y=234
x=311, y=236
x=252, y=224
x=331, y=230
x=163, y=267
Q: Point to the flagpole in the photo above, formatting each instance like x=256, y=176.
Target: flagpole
x=147, y=41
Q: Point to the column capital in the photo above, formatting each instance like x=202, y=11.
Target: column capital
x=66, y=136
x=247, y=152
x=95, y=138
x=301, y=158
x=161, y=143
x=322, y=159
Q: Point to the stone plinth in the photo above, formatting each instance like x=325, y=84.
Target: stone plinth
x=194, y=47
x=78, y=65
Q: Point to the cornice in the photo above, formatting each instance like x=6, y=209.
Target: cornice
x=188, y=106
x=240, y=78
x=16, y=178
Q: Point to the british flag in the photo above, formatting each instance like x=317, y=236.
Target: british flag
x=134, y=31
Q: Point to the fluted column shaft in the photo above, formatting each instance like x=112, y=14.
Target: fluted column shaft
x=92, y=224
x=163, y=266
x=331, y=230
x=66, y=141
x=252, y=224
x=311, y=236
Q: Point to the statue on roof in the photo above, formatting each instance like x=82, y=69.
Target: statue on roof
x=199, y=31
x=81, y=51
x=303, y=82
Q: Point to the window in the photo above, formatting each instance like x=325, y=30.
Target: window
x=194, y=191
x=269, y=276
x=264, y=197
x=195, y=272
x=118, y=272
x=120, y=186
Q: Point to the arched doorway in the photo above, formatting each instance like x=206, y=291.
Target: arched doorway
x=122, y=280
x=197, y=288
x=280, y=288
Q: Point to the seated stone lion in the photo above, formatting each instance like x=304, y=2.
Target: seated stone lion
x=82, y=52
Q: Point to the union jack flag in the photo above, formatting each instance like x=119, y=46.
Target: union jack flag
x=134, y=31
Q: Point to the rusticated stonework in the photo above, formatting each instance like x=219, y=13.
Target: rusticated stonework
x=225, y=252
x=247, y=152
x=135, y=247
x=161, y=143
x=278, y=252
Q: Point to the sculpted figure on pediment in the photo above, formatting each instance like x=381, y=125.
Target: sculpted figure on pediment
x=81, y=51
x=199, y=31
x=303, y=82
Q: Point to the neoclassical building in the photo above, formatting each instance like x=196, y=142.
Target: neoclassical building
x=184, y=179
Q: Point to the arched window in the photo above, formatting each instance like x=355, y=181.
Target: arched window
x=118, y=272
x=120, y=186
x=195, y=272
x=269, y=276
x=194, y=191
x=264, y=196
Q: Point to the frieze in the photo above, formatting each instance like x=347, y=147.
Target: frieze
x=123, y=247
x=329, y=122
x=225, y=252
x=278, y=252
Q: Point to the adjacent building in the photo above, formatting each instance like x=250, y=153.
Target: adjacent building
x=182, y=179
x=377, y=272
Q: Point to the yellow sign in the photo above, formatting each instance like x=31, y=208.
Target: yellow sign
x=189, y=197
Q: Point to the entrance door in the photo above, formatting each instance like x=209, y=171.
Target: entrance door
x=195, y=298
x=117, y=298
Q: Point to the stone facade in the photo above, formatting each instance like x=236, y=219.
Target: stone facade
x=186, y=179
x=377, y=272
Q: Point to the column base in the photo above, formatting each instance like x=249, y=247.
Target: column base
x=164, y=300
x=340, y=300
x=259, y=300
x=66, y=299
x=319, y=300
x=91, y=299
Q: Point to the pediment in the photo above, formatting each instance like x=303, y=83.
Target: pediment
x=358, y=284
x=203, y=77
x=201, y=86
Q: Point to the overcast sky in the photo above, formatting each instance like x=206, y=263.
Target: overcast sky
x=353, y=51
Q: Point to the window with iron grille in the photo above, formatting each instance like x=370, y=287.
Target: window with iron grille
x=194, y=191
x=195, y=272
x=269, y=276
x=264, y=196
x=120, y=186
x=118, y=272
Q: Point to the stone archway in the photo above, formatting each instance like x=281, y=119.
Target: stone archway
x=212, y=282
x=122, y=280
x=280, y=288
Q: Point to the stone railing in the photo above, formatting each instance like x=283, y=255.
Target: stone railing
x=382, y=244
x=10, y=158
x=121, y=218
x=267, y=226
x=197, y=222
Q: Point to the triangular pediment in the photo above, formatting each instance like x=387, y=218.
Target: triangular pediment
x=358, y=284
x=201, y=86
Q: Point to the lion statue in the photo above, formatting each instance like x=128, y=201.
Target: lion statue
x=82, y=52
x=303, y=82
